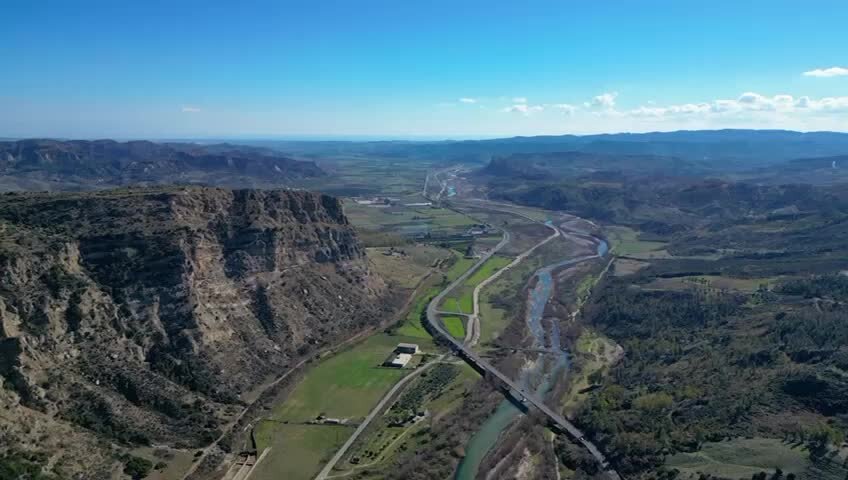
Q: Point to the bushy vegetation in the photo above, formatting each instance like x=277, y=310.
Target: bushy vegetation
x=136, y=467
x=705, y=365
x=21, y=466
x=824, y=286
x=429, y=386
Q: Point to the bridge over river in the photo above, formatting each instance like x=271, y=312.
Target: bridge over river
x=556, y=420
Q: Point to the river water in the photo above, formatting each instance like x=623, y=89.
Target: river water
x=533, y=377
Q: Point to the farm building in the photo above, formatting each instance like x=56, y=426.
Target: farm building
x=400, y=360
x=410, y=348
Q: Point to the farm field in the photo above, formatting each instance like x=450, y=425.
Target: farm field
x=406, y=220
x=462, y=299
x=717, y=282
x=624, y=266
x=347, y=384
x=508, y=289
x=297, y=451
x=451, y=305
x=625, y=241
x=406, y=268
x=461, y=264
x=740, y=458
x=382, y=444
x=455, y=326
x=411, y=326
x=362, y=176
x=487, y=270
x=460, y=302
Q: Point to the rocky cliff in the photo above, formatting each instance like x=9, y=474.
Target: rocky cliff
x=144, y=315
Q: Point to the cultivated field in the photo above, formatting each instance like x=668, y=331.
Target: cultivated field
x=347, y=384
x=297, y=451
x=712, y=282
x=404, y=266
x=625, y=241
x=740, y=458
x=461, y=299
x=455, y=326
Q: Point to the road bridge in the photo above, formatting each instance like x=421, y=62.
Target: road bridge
x=555, y=419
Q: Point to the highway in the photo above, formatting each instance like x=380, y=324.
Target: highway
x=463, y=349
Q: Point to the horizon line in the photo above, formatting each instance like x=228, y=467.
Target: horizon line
x=318, y=137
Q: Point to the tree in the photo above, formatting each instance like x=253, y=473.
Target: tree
x=136, y=467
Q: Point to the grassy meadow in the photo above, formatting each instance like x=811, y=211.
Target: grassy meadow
x=455, y=326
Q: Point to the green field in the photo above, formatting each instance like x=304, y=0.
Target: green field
x=486, y=270
x=717, y=282
x=492, y=320
x=298, y=452
x=388, y=443
x=404, y=220
x=348, y=384
x=462, y=298
x=411, y=326
x=460, y=265
x=455, y=326
x=625, y=241
x=450, y=305
x=466, y=301
x=740, y=458
x=368, y=175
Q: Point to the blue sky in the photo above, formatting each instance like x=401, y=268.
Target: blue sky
x=418, y=69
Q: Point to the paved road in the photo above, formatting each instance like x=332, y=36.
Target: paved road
x=235, y=421
x=322, y=475
x=464, y=348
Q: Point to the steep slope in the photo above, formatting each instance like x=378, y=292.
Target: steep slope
x=84, y=165
x=143, y=315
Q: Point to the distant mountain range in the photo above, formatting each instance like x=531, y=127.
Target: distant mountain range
x=725, y=149
x=761, y=155
x=69, y=165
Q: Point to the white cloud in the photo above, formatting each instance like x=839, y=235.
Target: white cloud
x=827, y=72
x=748, y=110
x=188, y=109
x=565, y=108
x=467, y=100
x=684, y=109
x=746, y=104
x=519, y=100
x=524, y=109
x=605, y=100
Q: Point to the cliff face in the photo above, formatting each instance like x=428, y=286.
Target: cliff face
x=145, y=314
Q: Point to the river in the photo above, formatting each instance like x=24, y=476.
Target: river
x=487, y=436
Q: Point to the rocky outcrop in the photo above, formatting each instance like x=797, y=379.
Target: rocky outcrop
x=145, y=314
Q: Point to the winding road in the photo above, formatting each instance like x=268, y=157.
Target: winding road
x=463, y=349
